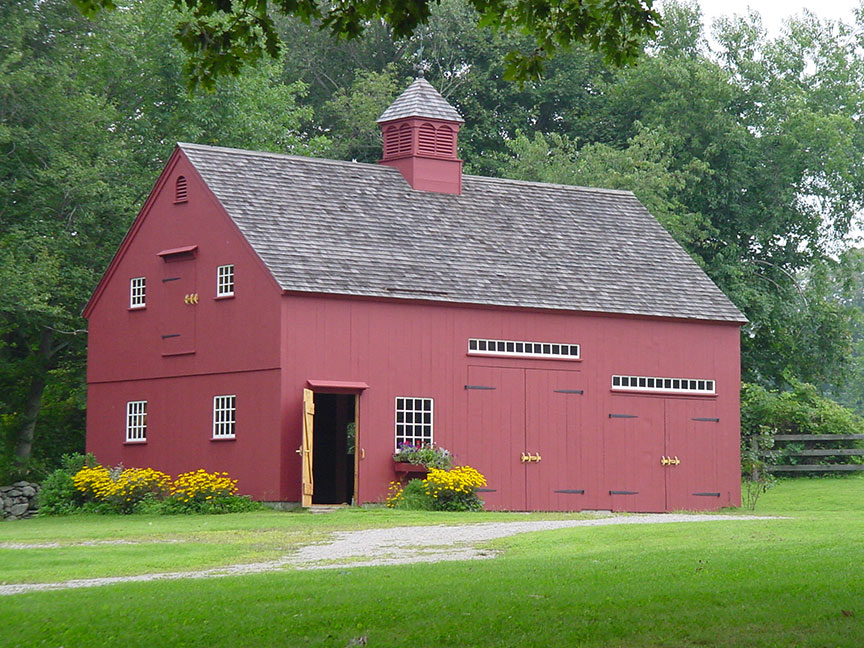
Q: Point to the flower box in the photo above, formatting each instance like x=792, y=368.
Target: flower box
x=406, y=468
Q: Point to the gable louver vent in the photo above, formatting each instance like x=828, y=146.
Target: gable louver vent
x=181, y=193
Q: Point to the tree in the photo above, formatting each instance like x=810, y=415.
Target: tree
x=222, y=36
x=88, y=115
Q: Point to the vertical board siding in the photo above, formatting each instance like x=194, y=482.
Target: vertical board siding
x=416, y=349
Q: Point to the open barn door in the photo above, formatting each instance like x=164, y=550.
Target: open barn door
x=306, y=447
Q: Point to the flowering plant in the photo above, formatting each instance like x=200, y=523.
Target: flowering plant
x=427, y=454
x=442, y=490
x=120, y=488
x=132, y=490
x=200, y=487
x=455, y=490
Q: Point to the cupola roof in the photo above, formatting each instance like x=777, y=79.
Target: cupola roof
x=420, y=99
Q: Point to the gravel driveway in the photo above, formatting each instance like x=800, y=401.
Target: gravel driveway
x=393, y=546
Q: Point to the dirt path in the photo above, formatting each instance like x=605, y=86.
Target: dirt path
x=393, y=546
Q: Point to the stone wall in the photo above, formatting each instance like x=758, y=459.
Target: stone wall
x=19, y=500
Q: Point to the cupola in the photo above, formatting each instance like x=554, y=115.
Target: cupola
x=421, y=132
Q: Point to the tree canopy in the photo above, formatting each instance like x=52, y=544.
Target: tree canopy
x=749, y=151
x=221, y=36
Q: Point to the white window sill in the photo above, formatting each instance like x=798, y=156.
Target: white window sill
x=218, y=297
x=223, y=438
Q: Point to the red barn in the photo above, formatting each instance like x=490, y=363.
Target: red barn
x=554, y=337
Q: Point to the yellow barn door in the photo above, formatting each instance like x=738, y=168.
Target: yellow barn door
x=306, y=448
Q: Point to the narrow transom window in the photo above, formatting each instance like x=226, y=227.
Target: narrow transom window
x=664, y=385
x=136, y=421
x=546, y=350
x=413, y=421
x=181, y=191
x=224, y=416
x=225, y=281
x=138, y=292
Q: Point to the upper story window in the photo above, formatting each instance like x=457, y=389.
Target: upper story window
x=181, y=190
x=225, y=281
x=136, y=421
x=138, y=292
x=224, y=416
x=413, y=421
x=664, y=385
x=545, y=350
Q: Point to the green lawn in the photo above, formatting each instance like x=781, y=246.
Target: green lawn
x=786, y=582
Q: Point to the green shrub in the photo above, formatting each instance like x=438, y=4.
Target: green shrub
x=411, y=497
x=800, y=410
x=58, y=495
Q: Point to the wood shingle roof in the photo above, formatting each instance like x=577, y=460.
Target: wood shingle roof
x=348, y=228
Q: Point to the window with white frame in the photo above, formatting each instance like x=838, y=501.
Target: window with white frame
x=548, y=350
x=225, y=281
x=136, y=421
x=224, y=416
x=664, y=385
x=413, y=421
x=138, y=292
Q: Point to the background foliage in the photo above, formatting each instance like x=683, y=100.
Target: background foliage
x=749, y=149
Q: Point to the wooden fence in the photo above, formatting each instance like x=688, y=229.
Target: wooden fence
x=816, y=452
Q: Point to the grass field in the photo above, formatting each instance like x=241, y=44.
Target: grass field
x=786, y=582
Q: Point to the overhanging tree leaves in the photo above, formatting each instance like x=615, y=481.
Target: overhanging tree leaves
x=222, y=36
x=89, y=112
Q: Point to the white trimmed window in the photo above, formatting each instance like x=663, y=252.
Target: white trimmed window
x=664, y=385
x=136, y=421
x=138, y=292
x=546, y=350
x=225, y=281
x=224, y=416
x=413, y=421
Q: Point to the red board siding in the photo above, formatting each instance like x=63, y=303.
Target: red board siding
x=410, y=349
x=180, y=427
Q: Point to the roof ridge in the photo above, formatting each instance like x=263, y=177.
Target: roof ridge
x=271, y=154
x=330, y=161
x=538, y=183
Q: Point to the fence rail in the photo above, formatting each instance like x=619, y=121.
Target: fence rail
x=818, y=452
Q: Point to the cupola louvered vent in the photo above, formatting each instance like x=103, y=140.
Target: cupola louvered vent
x=181, y=193
x=391, y=141
x=445, y=141
x=426, y=139
x=404, y=139
x=397, y=141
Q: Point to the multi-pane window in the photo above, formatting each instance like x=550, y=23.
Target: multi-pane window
x=664, y=385
x=224, y=416
x=136, y=421
x=225, y=281
x=413, y=421
x=138, y=292
x=556, y=350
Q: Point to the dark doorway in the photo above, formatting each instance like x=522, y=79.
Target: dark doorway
x=334, y=447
